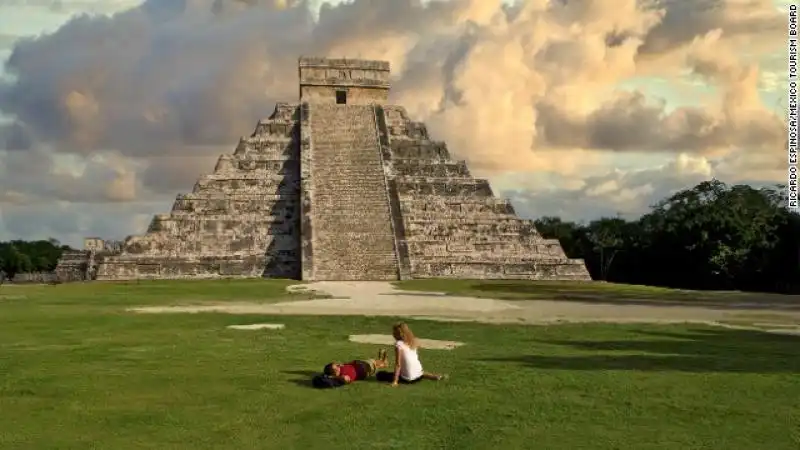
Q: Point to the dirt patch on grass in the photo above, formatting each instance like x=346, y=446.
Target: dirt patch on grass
x=258, y=326
x=382, y=299
x=387, y=339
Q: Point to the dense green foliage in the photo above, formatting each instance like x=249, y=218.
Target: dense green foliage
x=712, y=236
x=30, y=256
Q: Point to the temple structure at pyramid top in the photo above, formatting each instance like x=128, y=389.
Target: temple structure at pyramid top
x=344, y=81
x=341, y=185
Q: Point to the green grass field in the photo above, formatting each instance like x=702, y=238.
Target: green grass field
x=593, y=292
x=77, y=371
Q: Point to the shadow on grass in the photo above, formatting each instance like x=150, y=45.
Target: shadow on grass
x=636, y=295
x=705, y=351
x=301, y=378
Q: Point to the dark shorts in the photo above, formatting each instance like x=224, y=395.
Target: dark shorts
x=365, y=367
x=388, y=377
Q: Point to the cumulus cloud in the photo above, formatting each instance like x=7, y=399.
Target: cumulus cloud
x=73, y=6
x=530, y=87
x=625, y=193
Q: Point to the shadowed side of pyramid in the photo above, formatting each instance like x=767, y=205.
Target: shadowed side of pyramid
x=242, y=220
x=340, y=186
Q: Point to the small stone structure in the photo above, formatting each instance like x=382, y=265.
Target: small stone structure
x=340, y=186
x=81, y=265
x=93, y=244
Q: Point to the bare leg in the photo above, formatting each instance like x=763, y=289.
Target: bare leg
x=382, y=360
x=380, y=364
x=434, y=376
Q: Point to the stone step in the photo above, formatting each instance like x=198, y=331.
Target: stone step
x=488, y=234
x=246, y=176
x=334, y=156
x=260, y=145
x=348, y=195
x=448, y=216
x=353, y=237
x=346, y=220
x=347, y=184
x=267, y=145
x=239, y=217
x=335, y=133
x=282, y=150
x=404, y=149
x=237, y=206
x=278, y=128
x=219, y=196
x=543, y=270
x=499, y=253
x=433, y=170
x=355, y=167
x=256, y=166
x=459, y=204
x=362, y=175
x=237, y=187
x=352, y=164
x=344, y=195
x=344, y=154
x=486, y=259
x=285, y=111
x=218, y=234
x=348, y=210
x=459, y=187
x=470, y=220
x=199, y=245
x=124, y=268
x=339, y=193
x=369, y=235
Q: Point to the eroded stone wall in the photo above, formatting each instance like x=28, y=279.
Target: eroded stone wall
x=75, y=265
x=355, y=95
x=365, y=82
x=242, y=220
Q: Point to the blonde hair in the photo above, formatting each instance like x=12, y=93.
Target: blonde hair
x=404, y=333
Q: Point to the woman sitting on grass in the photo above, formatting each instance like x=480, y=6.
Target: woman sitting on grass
x=407, y=366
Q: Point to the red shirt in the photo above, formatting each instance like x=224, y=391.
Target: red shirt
x=352, y=370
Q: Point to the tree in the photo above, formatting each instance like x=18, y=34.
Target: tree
x=711, y=236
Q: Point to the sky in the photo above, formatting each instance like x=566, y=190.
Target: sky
x=575, y=108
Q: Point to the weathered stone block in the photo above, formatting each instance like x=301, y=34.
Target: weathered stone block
x=420, y=150
x=457, y=187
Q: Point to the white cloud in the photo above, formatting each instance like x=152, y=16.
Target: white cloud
x=165, y=87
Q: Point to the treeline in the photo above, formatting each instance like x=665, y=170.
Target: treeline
x=712, y=236
x=30, y=256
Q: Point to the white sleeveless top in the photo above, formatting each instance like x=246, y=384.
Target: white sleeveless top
x=410, y=366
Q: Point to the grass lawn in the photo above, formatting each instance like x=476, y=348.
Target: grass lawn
x=593, y=292
x=77, y=371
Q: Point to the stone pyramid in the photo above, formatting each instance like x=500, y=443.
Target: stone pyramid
x=340, y=186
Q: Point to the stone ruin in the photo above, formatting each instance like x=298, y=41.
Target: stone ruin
x=81, y=265
x=339, y=186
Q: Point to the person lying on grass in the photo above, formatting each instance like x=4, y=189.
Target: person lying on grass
x=407, y=366
x=356, y=370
